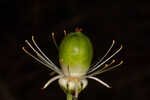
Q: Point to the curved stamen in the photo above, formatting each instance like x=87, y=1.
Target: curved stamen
x=105, y=60
x=52, y=80
x=98, y=80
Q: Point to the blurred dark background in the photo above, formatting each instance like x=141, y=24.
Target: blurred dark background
x=126, y=21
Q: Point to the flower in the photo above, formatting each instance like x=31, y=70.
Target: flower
x=75, y=56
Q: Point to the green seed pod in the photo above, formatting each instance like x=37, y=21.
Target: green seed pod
x=75, y=53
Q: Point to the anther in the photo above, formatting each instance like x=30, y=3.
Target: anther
x=22, y=48
x=61, y=60
x=65, y=33
x=121, y=62
x=53, y=37
x=32, y=37
x=121, y=46
x=113, y=42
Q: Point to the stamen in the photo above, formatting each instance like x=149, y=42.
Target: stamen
x=113, y=42
x=33, y=56
x=100, y=81
x=76, y=92
x=42, y=62
x=106, y=60
x=52, y=73
x=30, y=46
x=48, y=60
x=53, y=37
x=41, y=57
x=121, y=62
x=65, y=33
x=68, y=73
x=106, y=69
x=107, y=65
x=76, y=89
x=52, y=80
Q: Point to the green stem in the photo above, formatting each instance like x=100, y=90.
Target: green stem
x=69, y=96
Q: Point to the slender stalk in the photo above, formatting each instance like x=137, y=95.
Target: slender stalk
x=69, y=96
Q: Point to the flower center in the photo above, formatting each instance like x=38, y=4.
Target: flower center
x=73, y=85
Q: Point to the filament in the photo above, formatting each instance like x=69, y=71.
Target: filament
x=98, y=80
x=48, y=60
x=42, y=58
x=47, y=65
x=113, y=42
x=107, y=65
x=105, y=60
x=52, y=80
x=53, y=37
x=106, y=69
x=76, y=89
